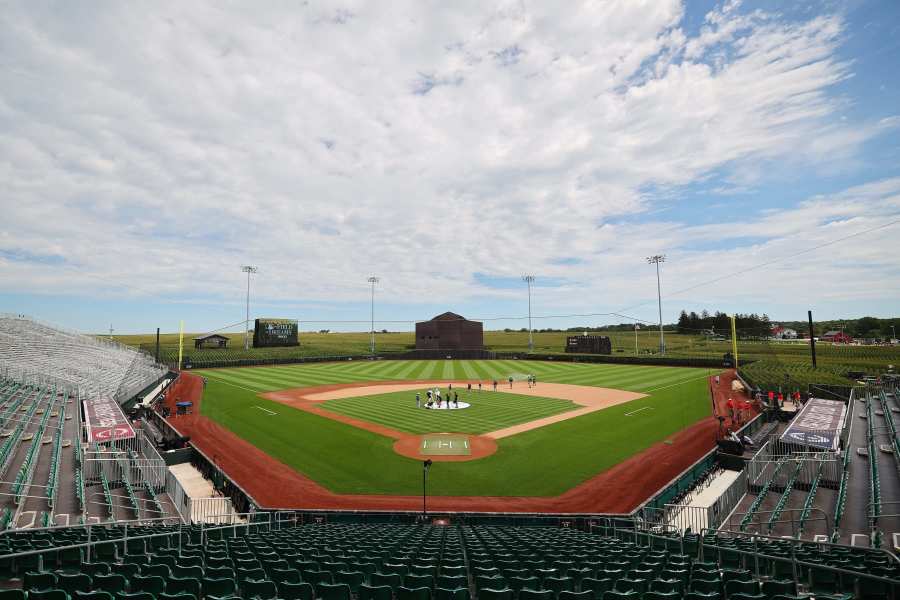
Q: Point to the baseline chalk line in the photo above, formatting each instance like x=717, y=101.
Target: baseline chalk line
x=265, y=410
x=628, y=414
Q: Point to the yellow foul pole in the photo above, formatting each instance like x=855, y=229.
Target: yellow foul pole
x=734, y=341
x=180, y=344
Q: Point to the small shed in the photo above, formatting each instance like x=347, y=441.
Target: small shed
x=213, y=340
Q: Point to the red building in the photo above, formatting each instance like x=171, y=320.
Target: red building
x=837, y=337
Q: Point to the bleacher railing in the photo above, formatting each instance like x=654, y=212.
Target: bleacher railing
x=757, y=559
x=244, y=523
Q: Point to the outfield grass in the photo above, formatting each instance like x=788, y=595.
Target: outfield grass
x=489, y=411
x=541, y=462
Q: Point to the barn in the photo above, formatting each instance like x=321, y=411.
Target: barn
x=449, y=331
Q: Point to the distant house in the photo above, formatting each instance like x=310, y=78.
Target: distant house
x=784, y=333
x=837, y=337
x=213, y=340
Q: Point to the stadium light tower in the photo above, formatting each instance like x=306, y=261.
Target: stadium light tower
x=248, y=270
x=373, y=281
x=529, y=279
x=655, y=260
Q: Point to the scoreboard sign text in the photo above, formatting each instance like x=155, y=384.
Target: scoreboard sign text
x=275, y=332
x=105, y=421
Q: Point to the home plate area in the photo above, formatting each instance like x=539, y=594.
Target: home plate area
x=445, y=445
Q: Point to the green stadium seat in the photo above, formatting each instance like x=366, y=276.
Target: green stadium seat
x=392, y=580
x=451, y=582
x=183, y=585
x=413, y=580
x=190, y=571
x=152, y=584
x=706, y=586
x=754, y=597
x=179, y=596
x=770, y=589
x=72, y=582
x=48, y=595
x=375, y=592
x=38, y=581
x=559, y=584
x=96, y=595
x=218, y=586
x=352, y=578
x=264, y=590
x=662, y=596
x=495, y=594
x=160, y=570
x=333, y=591
x=33, y=563
x=113, y=584
x=529, y=594
x=615, y=595
x=13, y=594
x=570, y=595
x=460, y=593
x=296, y=591
x=405, y=593
x=749, y=586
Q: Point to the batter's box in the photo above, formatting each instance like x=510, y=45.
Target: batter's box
x=445, y=445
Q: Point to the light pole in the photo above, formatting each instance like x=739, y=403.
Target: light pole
x=248, y=270
x=655, y=260
x=529, y=279
x=636, y=327
x=373, y=281
x=425, y=465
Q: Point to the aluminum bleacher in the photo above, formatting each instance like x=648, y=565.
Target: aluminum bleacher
x=79, y=364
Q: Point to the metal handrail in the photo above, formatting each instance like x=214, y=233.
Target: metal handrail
x=828, y=526
x=792, y=559
x=204, y=531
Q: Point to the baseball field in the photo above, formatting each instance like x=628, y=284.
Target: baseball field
x=355, y=428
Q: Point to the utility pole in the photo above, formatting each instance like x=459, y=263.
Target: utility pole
x=373, y=281
x=656, y=259
x=812, y=339
x=529, y=279
x=636, y=327
x=426, y=464
x=111, y=331
x=249, y=270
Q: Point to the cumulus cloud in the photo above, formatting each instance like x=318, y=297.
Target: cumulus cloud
x=152, y=148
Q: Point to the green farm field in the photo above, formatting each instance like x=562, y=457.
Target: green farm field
x=541, y=462
x=776, y=363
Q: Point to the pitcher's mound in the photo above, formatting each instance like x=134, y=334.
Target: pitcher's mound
x=445, y=446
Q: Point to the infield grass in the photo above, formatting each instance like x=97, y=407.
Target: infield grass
x=542, y=462
x=489, y=411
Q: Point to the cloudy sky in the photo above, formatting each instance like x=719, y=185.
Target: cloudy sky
x=149, y=149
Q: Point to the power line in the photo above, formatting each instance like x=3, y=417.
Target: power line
x=772, y=262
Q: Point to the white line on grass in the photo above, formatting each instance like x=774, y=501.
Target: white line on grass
x=271, y=412
x=628, y=414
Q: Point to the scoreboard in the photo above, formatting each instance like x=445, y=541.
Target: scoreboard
x=275, y=332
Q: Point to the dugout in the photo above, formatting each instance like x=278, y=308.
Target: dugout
x=589, y=344
x=449, y=331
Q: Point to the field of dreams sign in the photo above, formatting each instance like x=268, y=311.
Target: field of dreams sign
x=818, y=424
x=105, y=421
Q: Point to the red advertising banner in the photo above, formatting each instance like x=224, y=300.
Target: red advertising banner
x=105, y=421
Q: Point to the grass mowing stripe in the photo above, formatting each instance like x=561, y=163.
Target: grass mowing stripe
x=449, y=370
x=490, y=412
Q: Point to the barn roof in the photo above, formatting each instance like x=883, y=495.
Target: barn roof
x=211, y=336
x=449, y=316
